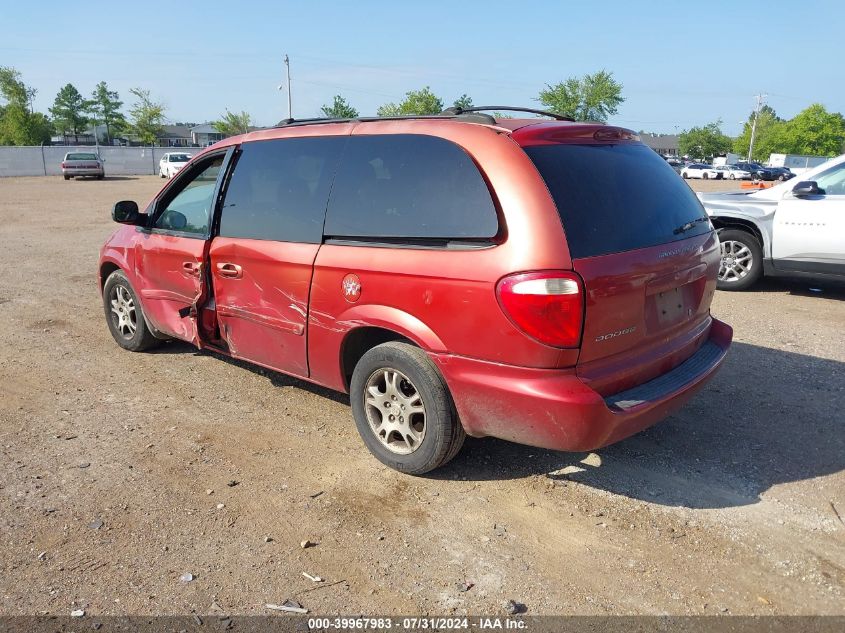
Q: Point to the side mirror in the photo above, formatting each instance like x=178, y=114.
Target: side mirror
x=806, y=188
x=173, y=220
x=125, y=212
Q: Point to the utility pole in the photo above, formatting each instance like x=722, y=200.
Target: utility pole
x=287, y=66
x=760, y=99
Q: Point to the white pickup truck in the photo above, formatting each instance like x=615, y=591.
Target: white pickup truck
x=791, y=229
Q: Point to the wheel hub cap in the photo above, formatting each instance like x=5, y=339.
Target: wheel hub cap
x=395, y=411
x=123, y=311
x=737, y=261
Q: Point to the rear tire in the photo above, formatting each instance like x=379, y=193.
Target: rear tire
x=705, y=176
x=67, y=177
x=124, y=315
x=742, y=260
x=403, y=409
x=732, y=177
x=684, y=175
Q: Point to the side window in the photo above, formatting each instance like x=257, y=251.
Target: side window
x=279, y=189
x=187, y=208
x=409, y=186
x=832, y=181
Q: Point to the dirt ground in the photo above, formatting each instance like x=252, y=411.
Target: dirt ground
x=121, y=472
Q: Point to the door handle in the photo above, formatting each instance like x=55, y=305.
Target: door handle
x=191, y=268
x=230, y=271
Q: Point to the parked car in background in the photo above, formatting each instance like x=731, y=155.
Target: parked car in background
x=675, y=164
x=451, y=280
x=791, y=229
x=700, y=170
x=732, y=172
x=757, y=171
x=76, y=164
x=782, y=173
x=171, y=163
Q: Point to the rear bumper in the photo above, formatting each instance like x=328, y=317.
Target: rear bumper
x=82, y=171
x=554, y=409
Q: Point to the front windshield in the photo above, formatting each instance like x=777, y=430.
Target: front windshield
x=179, y=158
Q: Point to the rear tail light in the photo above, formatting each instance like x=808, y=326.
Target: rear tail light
x=547, y=306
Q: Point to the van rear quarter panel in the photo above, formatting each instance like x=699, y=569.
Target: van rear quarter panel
x=444, y=299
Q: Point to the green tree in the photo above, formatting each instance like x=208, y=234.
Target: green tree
x=12, y=88
x=389, y=109
x=339, y=109
x=464, y=101
x=147, y=116
x=589, y=98
x=105, y=107
x=232, y=123
x=416, y=102
x=814, y=131
x=69, y=110
x=18, y=124
x=767, y=137
x=704, y=142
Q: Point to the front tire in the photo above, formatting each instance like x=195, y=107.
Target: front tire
x=403, y=409
x=732, y=177
x=742, y=260
x=124, y=315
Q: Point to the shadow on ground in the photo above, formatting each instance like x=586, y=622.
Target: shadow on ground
x=802, y=288
x=768, y=417
x=276, y=379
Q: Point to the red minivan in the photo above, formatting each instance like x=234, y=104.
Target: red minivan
x=542, y=281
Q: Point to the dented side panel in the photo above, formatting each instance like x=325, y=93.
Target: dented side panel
x=169, y=272
x=262, y=308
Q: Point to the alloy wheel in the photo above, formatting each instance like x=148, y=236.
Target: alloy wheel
x=395, y=411
x=736, y=262
x=123, y=313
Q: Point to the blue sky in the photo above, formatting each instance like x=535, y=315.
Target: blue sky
x=682, y=63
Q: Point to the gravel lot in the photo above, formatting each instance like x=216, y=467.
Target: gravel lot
x=121, y=472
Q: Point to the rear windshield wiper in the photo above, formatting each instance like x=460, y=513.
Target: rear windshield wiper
x=689, y=225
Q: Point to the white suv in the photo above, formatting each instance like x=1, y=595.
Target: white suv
x=791, y=229
x=171, y=163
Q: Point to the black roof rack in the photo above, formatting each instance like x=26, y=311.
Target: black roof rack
x=473, y=113
x=457, y=110
x=288, y=122
x=471, y=116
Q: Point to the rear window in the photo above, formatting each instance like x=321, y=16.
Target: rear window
x=81, y=156
x=279, y=189
x=409, y=186
x=615, y=198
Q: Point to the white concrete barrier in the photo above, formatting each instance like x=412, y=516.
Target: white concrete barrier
x=119, y=161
